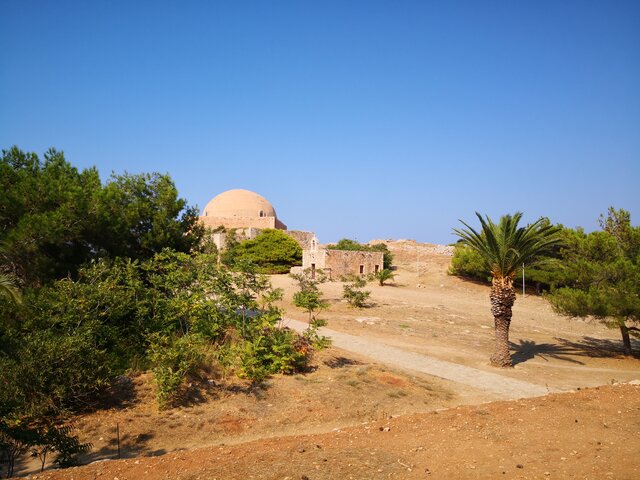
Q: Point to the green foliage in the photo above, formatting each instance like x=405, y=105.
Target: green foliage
x=384, y=275
x=173, y=358
x=139, y=215
x=114, y=281
x=54, y=218
x=353, y=292
x=272, y=251
x=72, y=337
x=601, y=276
x=468, y=263
x=18, y=436
x=273, y=350
x=504, y=246
x=309, y=296
x=8, y=290
x=353, y=245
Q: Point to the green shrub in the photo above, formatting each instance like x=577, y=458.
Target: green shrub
x=173, y=359
x=272, y=251
x=468, y=263
x=353, y=292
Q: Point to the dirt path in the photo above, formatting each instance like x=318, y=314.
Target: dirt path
x=504, y=387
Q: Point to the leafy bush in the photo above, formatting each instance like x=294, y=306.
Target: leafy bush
x=353, y=293
x=272, y=251
x=468, y=263
x=173, y=358
x=309, y=297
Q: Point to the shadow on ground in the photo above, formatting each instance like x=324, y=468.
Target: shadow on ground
x=341, y=362
x=567, y=350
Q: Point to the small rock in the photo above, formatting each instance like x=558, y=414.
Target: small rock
x=385, y=429
x=519, y=465
x=301, y=450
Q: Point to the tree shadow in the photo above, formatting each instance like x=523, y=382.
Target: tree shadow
x=566, y=349
x=130, y=446
x=528, y=350
x=602, y=348
x=341, y=362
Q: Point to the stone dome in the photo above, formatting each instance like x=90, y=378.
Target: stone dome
x=239, y=203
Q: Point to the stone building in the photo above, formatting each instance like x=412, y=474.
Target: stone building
x=340, y=263
x=248, y=213
x=241, y=209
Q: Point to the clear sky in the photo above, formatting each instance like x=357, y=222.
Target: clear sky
x=361, y=119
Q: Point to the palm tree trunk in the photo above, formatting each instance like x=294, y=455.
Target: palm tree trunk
x=502, y=298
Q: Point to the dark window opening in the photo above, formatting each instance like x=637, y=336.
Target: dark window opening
x=361, y=269
x=377, y=267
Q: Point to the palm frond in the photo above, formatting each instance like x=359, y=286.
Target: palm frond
x=8, y=289
x=505, y=246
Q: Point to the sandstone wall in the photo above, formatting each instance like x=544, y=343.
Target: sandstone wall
x=243, y=222
x=339, y=263
x=305, y=239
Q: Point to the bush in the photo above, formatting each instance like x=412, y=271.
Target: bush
x=272, y=251
x=468, y=263
x=353, y=293
x=173, y=359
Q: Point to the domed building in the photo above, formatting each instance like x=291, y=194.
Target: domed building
x=241, y=209
x=247, y=214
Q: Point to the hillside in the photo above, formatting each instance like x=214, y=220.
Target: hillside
x=226, y=429
x=587, y=434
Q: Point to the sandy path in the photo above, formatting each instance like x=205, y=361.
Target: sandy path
x=504, y=387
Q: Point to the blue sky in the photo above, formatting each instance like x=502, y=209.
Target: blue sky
x=355, y=119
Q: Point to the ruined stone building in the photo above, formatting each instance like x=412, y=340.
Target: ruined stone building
x=248, y=214
x=341, y=263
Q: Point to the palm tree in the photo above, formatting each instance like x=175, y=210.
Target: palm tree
x=384, y=275
x=7, y=289
x=504, y=247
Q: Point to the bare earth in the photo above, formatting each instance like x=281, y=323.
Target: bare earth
x=403, y=397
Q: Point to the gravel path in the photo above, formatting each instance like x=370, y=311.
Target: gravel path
x=505, y=387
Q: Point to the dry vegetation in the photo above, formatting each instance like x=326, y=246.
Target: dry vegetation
x=353, y=418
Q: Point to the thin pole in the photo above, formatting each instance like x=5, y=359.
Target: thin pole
x=522, y=279
x=118, y=435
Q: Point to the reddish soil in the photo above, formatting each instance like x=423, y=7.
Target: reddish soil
x=592, y=433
